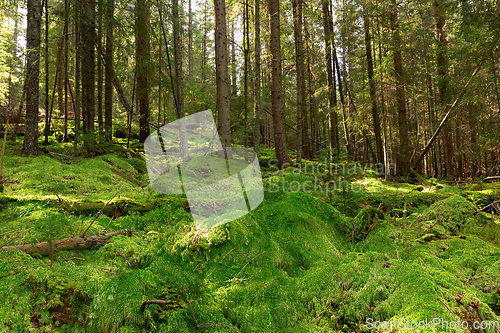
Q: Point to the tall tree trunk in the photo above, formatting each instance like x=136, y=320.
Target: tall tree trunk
x=143, y=57
x=66, y=64
x=332, y=95
x=276, y=85
x=100, y=126
x=312, y=101
x=246, y=49
x=109, y=64
x=47, y=121
x=204, y=43
x=176, y=8
x=257, y=111
x=159, y=80
x=88, y=59
x=440, y=22
x=403, y=160
x=373, y=90
x=34, y=18
x=299, y=57
x=234, y=65
x=78, y=61
x=344, y=106
x=13, y=60
x=222, y=77
x=190, y=41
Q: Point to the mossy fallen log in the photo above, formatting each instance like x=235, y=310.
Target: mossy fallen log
x=65, y=244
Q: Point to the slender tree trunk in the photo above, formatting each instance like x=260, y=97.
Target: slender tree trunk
x=159, y=80
x=234, y=65
x=312, y=101
x=344, y=106
x=190, y=41
x=109, y=64
x=257, y=111
x=299, y=58
x=204, y=44
x=66, y=64
x=34, y=18
x=78, y=58
x=332, y=95
x=403, y=161
x=373, y=90
x=47, y=120
x=442, y=65
x=246, y=50
x=143, y=57
x=176, y=8
x=222, y=77
x=88, y=59
x=276, y=85
x=13, y=60
x=99, y=69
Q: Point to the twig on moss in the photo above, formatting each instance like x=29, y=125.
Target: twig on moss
x=241, y=270
x=9, y=232
x=15, y=237
x=439, y=299
x=12, y=273
x=487, y=207
x=74, y=258
x=228, y=253
x=102, y=209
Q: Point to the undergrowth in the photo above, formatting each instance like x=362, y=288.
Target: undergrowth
x=324, y=252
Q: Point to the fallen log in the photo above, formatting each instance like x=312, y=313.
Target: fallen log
x=65, y=244
x=491, y=179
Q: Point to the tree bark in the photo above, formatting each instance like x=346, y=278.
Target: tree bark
x=109, y=70
x=143, y=66
x=66, y=64
x=276, y=85
x=222, y=77
x=78, y=57
x=179, y=77
x=34, y=18
x=257, y=111
x=403, y=161
x=332, y=95
x=299, y=59
x=246, y=50
x=373, y=91
x=47, y=121
x=88, y=69
x=442, y=66
x=190, y=41
x=100, y=127
x=234, y=65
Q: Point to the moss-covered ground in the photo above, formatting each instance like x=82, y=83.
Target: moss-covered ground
x=311, y=258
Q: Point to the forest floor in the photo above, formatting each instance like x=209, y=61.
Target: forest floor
x=307, y=259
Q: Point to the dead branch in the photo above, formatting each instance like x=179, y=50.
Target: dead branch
x=152, y=301
x=102, y=209
x=65, y=244
x=484, y=209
